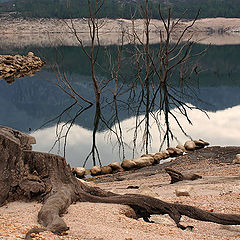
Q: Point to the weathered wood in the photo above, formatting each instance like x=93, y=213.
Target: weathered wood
x=30, y=176
x=177, y=176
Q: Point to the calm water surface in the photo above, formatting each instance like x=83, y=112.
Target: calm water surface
x=30, y=103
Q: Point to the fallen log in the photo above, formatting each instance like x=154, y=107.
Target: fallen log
x=177, y=176
x=30, y=176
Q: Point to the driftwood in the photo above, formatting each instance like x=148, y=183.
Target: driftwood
x=30, y=176
x=177, y=176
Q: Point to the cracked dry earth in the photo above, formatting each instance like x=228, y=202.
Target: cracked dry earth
x=217, y=191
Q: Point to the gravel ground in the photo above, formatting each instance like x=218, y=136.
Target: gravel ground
x=217, y=191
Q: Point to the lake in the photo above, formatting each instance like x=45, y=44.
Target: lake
x=31, y=105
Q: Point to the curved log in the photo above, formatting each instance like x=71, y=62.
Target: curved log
x=32, y=176
x=177, y=176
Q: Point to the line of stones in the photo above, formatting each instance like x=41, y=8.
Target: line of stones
x=143, y=161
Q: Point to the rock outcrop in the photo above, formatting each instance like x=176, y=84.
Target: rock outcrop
x=18, y=66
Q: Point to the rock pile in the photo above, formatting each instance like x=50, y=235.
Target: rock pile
x=143, y=161
x=18, y=66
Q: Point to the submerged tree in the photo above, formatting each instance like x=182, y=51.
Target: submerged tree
x=162, y=83
x=165, y=75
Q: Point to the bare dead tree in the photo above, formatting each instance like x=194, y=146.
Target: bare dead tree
x=93, y=25
x=155, y=69
x=155, y=74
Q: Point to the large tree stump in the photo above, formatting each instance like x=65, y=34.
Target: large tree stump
x=30, y=176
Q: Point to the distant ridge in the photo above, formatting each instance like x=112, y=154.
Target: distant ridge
x=121, y=9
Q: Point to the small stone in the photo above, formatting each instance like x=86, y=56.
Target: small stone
x=237, y=159
x=200, y=143
x=30, y=54
x=183, y=191
x=159, y=219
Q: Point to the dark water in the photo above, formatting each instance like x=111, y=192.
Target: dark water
x=30, y=103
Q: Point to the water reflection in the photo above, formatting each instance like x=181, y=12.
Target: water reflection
x=31, y=102
x=221, y=129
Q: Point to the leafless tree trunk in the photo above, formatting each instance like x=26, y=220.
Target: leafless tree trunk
x=173, y=59
x=154, y=74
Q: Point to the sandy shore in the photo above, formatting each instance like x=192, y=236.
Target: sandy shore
x=217, y=191
x=55, y=32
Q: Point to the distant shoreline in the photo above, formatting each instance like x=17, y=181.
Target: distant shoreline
x=17, y=32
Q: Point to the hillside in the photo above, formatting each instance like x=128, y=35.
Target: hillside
x=121, y=9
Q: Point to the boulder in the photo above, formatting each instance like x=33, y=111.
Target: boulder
x=106, y=170
x=116, y=167
x=143, y=161
x=179, y=146
x=30, y=54
x=161, y=155
x=147, y=155
x=204, y=142
x=128, y=164
x=95, y=170
x=237, y=159
x=79, y=172
x=174, y=152
x=200, y=143
x=190, y=145
x=178, y=151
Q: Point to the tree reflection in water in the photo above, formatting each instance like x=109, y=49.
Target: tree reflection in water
x=162, y=79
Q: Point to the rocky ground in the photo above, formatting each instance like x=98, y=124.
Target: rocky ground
x=49, y=32
x=217, y=191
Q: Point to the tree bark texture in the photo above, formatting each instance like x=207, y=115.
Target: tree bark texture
x=34, y=176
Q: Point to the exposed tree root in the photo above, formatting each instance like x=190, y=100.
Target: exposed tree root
x=46, y=177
